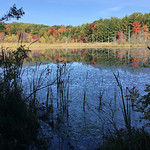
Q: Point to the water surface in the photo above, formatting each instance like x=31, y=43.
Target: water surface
x=87, y=77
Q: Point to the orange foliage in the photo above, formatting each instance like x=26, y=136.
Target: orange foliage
x=70, y=29
x=64, y=59
x=120, y=54
x=145, y=31
x=145, y=28
x=48, y=32
x=63, y=29
x=56, y=33
x=135, y=61
x=8, y=30
x=136, y=27
x=28, y=34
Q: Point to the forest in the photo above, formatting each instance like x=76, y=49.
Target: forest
x=129, y=29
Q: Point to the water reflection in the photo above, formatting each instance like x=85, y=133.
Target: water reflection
x=87, y=101
x=96, y=57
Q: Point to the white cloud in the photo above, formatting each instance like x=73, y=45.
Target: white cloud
x=110, y=10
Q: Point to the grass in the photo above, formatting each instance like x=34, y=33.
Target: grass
x=44, y=46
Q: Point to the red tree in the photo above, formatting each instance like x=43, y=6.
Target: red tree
x=121, y=37
x=34, y=37
x=56, y=34
x=91, y=26
x=136, y=27
x=8, y=30
x=135, y=61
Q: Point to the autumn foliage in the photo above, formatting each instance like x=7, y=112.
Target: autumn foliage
x=121, y=37
x=91, y=26
x=136, y=27
x=129, y=28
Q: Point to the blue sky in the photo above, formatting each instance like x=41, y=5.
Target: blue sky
x=73, y=12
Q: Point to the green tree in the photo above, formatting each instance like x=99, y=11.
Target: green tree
x=85, y=28
x=2, y=28
x=98, y=32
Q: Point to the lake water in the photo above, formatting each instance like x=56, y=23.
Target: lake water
x=85, y=96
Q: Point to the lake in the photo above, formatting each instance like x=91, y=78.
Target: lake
x=79, y=90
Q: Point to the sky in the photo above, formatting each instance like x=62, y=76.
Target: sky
x=73, y=12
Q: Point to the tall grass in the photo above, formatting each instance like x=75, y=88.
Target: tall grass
x=101, y=93
x=18, y=125
x=63, y=78
x=129, y=138
x=126, y=107
x=36, y=83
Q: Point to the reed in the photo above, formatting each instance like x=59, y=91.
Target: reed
x=62, y=87
x=51, y=100
x=84, y=101
x=36, y=82
x=84, y=93
x=101, y=93
x=126, y=107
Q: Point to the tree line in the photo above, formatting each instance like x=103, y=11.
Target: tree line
x=133, y=28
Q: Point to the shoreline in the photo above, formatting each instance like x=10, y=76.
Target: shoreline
x=45, y=46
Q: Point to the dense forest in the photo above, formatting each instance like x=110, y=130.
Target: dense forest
x=133, y=28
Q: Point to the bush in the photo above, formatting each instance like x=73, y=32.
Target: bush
x=18, y=127
x=18, y=124
x=122, y=140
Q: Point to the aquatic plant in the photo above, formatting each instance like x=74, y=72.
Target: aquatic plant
x=126, y=108
x=130, y=137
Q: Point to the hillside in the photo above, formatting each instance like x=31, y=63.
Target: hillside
x=133, y=29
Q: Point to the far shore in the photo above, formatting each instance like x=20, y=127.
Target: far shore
x=45, y=46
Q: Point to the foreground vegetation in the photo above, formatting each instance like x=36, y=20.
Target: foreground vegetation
x=19, y=125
